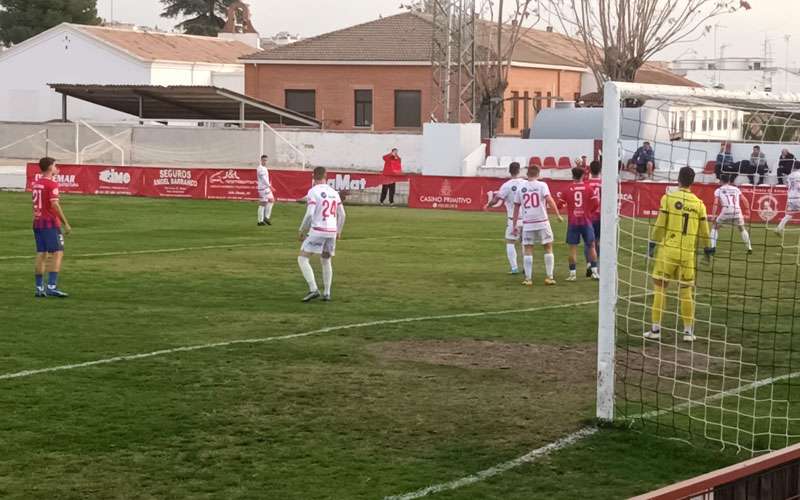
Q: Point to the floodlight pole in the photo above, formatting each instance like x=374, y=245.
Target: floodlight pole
x=606, y=327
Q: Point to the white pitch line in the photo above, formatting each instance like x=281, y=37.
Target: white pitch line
x=483, y=475
x=164, y=352
x=181, y=249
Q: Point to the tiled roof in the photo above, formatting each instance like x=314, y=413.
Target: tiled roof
x=399, y=38
x=154, y=46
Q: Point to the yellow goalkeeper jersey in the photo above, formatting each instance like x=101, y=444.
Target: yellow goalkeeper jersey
x=682, y=222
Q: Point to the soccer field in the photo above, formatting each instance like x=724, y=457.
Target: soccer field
x=430, y=365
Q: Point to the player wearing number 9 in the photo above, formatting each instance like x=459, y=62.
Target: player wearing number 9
x=48, y=222
x=681, y=228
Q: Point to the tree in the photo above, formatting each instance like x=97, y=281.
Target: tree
x=497, y=37
x=22, y=19
x=617, y=37
x=206, y=17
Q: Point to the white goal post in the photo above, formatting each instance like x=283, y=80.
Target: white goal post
x=675, y=122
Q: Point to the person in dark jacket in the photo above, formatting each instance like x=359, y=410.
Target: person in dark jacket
x=392, y=165
x=724, y=161
x=786, y=165
x=644, y=161
x=757, y=164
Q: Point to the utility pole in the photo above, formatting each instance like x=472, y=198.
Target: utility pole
x=453, y=60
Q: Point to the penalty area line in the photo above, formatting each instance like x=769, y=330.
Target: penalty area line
x=165, y=352
x=485, y=474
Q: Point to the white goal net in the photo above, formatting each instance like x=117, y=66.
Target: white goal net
x=699, y=330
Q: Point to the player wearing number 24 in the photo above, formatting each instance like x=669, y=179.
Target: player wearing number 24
x=681, y=228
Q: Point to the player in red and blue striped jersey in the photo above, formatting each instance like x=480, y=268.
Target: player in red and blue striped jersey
x=48, y=223
x=580, y=203
x=595, y=182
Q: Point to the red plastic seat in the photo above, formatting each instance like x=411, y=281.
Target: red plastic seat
x=549, y=162
x=535, y=161
x=564, y=162
x=710, y=167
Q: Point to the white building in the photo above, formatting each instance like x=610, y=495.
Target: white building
x=740, y=73
x=70, y=53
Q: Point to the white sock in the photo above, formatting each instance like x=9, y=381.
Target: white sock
x=783, y=222
x=308, y=273
x=269, y=210
x=511, y=252
x=746, y=239
x=714, y=235
x=260, y=213
x=549, y=264
x=327, y=275
x=527, y=263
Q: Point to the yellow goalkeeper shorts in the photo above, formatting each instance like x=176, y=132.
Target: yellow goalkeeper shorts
x=675, y=264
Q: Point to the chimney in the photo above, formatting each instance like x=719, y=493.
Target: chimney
x=549, y=29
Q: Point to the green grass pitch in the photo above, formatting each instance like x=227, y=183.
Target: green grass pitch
x=364, y=412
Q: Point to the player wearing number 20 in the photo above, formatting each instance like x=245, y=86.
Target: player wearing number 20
x=531, y=202
x=321, y=227
x=48, y=222
x=681, y=228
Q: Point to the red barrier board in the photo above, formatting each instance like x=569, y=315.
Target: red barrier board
x=173, y=182
x=637, y=199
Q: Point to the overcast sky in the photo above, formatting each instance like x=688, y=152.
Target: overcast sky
x=744, y=31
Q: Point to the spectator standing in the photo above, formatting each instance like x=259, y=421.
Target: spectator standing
x=392, y=165
x=786, y=165
x=644, y=160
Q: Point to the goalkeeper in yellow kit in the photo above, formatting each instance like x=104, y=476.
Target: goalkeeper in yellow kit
x=681, y=228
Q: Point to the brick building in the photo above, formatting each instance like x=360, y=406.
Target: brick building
x=378, y=76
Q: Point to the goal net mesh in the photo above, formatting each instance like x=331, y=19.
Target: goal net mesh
x=738, y=383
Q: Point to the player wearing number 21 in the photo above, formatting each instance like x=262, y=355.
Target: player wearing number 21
x=321, y=227
x=48, y=223
x=531, y=203
x=681, y=228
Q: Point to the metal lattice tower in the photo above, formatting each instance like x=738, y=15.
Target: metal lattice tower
x=453, y=60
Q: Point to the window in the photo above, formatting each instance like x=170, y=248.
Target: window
x=514, y=110
x=526, y=114
x=407, y=108
x=302, y=101
x=363, y=108
x=725, y=119
x=693, y=123
x=537, y=104
x=757, y=66
x=719, y=119
x=705, y=121
x=682, y=122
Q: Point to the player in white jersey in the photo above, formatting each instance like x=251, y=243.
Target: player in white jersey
x=321, y=227
x=531, y=203
x=265, y=197
x=792, y=198
x=728, y=201
x=508, y=194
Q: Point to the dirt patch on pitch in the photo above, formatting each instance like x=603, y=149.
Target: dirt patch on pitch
x=568, y=364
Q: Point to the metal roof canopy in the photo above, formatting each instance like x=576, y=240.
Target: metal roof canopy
x=181, y=102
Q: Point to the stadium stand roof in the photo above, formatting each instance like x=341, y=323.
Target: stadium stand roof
x=181, y=102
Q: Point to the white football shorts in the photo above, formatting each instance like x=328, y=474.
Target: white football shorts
x=510, y=230
x=320, y=245
x=793, y=205
x=730, y=217
x=265, y=196
x=541, y=236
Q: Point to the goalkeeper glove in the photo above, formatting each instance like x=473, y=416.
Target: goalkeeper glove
x=651, y=249
x=709, y=251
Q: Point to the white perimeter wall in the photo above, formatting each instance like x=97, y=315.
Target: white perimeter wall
x=61, y=56
x=357, y=150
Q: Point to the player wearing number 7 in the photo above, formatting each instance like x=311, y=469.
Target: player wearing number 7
x=681, y=227
x=531, y=202
x=321, y=227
